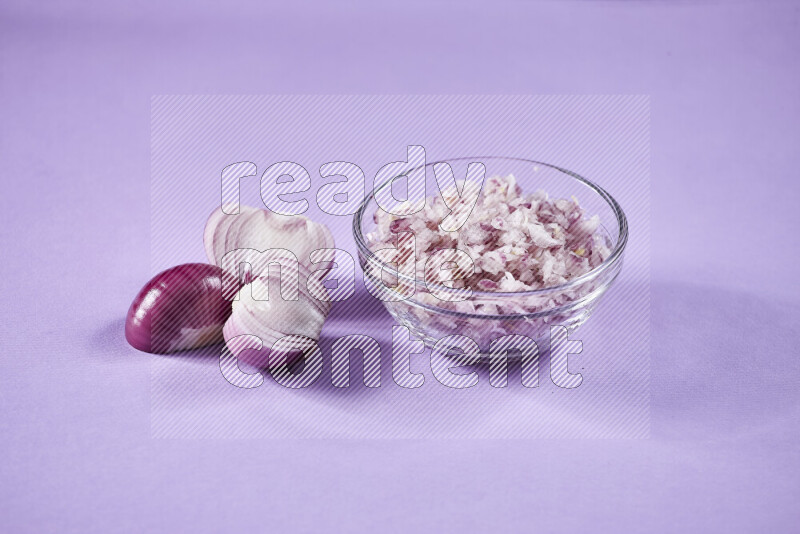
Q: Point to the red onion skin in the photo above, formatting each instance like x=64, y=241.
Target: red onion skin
x=180, y=308
x=245, y=352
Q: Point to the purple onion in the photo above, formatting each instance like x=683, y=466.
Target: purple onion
x=274, y=319
x=180, y=308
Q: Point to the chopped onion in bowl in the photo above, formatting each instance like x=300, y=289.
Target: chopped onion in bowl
x=518, y=243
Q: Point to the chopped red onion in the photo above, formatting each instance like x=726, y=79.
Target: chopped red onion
x=518, y=242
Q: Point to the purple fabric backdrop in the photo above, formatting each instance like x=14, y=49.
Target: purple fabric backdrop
x=76, y=82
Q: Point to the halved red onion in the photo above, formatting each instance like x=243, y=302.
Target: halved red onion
x=180, y=308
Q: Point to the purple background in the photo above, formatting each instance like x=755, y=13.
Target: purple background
x=76, y=83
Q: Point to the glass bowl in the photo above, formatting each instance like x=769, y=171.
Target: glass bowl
x=569, y=304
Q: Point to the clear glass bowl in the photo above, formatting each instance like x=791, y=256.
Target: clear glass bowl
x=569, y=304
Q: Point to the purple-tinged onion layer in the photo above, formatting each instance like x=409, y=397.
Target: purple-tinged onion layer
x=261, y=230
x=180, y=308
x=276, y=318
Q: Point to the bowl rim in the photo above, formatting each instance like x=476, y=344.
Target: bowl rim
x=613, y=258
